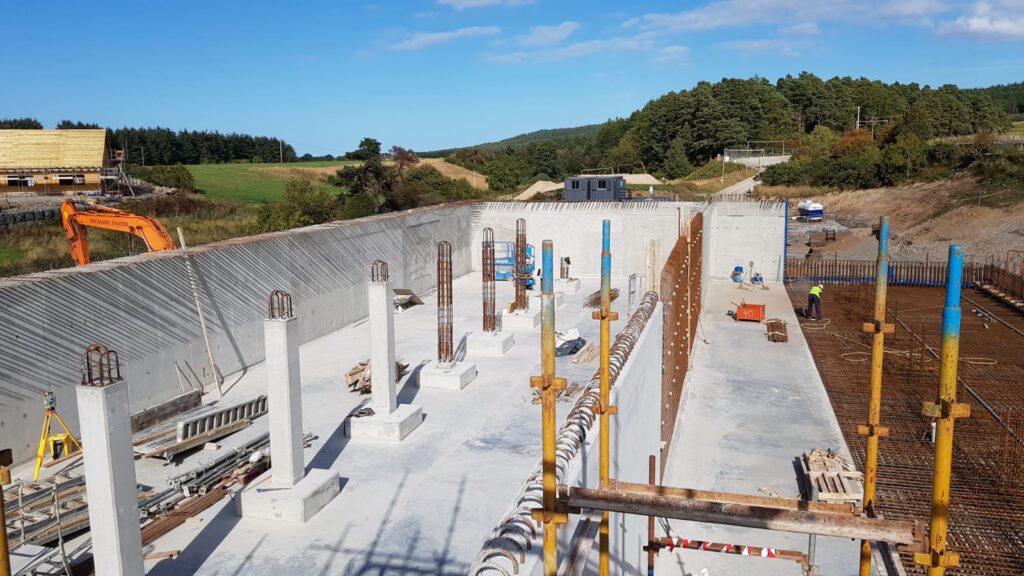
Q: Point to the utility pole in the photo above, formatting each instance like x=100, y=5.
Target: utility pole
x=857, y=127
x=280, y=151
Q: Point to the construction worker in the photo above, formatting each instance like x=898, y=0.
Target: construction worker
x=814, y=302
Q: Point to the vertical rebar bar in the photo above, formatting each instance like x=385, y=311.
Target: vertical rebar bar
x=445, y=347
x=873, y=430
x=945, y=411
x=522, y=273
x=563, y=272
x=487, y=266
x=605, y=315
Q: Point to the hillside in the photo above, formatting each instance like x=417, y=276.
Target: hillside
x=925, y=219
x=555, y=134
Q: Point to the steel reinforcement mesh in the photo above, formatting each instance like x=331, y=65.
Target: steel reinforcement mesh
x=987, y=498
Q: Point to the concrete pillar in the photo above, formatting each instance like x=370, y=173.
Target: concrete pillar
x=382, y=347
x=109, y=467
x=284, y=399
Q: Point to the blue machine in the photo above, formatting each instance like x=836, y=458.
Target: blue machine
x=505, y=262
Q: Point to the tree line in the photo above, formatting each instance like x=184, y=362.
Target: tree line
x=1008, y=97
x=163, y=146
x=678, y=131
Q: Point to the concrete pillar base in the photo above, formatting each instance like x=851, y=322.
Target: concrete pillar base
x=455, y=378
x=493, y=344
x=266, y=500
x=570, y=286
x=520, y=320
x=535, y=301
x=392, y=427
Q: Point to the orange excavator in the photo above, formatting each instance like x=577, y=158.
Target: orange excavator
x=76, y=222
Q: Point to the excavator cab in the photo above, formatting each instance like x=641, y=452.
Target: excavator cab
x=76, y=223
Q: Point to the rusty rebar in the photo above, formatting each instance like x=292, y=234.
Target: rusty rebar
x=100, y=366
x=279, y=305
x=487, y=266
x=379, y=271
x=445, y=346
x=522, y=272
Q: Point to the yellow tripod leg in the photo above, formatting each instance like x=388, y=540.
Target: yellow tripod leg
x=42, y=445
x=68, y=432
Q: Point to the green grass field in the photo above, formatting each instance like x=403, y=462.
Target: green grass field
x=1018, y=128
x=257, y=183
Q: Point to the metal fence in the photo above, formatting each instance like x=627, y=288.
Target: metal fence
x=988, y=275
x=681, y=298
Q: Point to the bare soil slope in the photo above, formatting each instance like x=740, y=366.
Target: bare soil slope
x=925, y=219
x=478, y=180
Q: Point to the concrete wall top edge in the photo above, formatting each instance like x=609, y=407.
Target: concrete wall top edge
x=413, y=217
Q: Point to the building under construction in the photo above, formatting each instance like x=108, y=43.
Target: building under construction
x=371, y=397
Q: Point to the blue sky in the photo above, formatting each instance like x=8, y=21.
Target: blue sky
x=432, y=74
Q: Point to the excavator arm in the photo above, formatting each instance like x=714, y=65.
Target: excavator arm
x=76, y=224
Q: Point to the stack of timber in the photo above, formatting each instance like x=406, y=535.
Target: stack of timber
x=586, y=355
x=359, y=378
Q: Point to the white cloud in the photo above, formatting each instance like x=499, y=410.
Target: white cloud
x=463, y=4
x=573, y=50
x=998, y=20
x=801, y=29
x=783, y=47
x=548, y=35
x=668, y=54
x=421, y=40
x=742, y=13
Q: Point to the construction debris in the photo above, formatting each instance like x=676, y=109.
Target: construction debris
x=586, y=355
x=830, y=477
x=777, y=330
x=593, y=301
x=359, y=378
x=196, y=428
x=567, y=394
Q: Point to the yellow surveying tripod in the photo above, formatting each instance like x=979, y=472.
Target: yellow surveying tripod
x=59, y=445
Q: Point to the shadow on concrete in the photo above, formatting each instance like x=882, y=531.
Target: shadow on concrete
x=371, y=560
x=460, y=350
x=224, y=326
x=328, y=454
x=408, y=391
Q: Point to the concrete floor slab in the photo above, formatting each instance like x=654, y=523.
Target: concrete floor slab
x=422, y=506
x=750, y=408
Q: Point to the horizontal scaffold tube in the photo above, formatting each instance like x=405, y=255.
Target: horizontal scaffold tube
x=786, y=515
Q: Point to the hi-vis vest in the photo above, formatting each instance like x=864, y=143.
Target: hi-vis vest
x=816, y=291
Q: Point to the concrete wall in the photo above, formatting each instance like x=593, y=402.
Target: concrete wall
x=143, y=307
x=736, y=233
x=635, y=435
x=575, y=229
